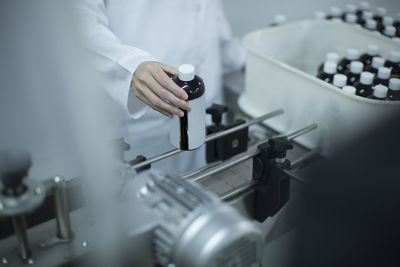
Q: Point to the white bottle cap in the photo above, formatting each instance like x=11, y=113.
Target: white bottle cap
x=380, y=11
x=330, y=67
x=364, y=5
x=366, y=78
x=186, y=72
x=371, y=24
x=352, y=54
x=331, y=56
x=394, y=84
x=390, y=31
x=335, y=11
x=366, y=14
x=386, y=20
x=394, y=57
x=319, y=14
x=349, y=89
x=350, y=18
x=280, y=19
x=356, y=67
x=339, y=80
x=377, y=62
x=380, y=91
x=384, y=73
x=372, y=50
x=351, y=8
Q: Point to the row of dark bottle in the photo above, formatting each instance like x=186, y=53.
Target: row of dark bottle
x=367, y=75
x=364, y=16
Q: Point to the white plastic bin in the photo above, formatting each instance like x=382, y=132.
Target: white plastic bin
x=281, y=67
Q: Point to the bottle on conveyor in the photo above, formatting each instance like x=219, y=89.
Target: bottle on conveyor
x=363, y=6
x=351, y=55
x=279, y=19
x=354, y=73
x=389, y=31
x=334, y=13
x=372, y=51
x=330, y=56
x=350, y=18
x=349, y=9
x=377, y=62
x=379, y=14
x=364, y=85
x=380, y=92
x=349, y=89
x=366, y=15
x=382, y=77
x=189, y=132
x=371, y=25
x=394, y=89
x=328, y=72
x=339, y=80
x=386, y=21
x=394, y=64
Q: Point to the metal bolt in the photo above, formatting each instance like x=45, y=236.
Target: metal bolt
x=38, y=190
x=235, y=143
x=84, y=244
x=180, y=190
x=4, y=260
x=57, y=179
x=31, y=261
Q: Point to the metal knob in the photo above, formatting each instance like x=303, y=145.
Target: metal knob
x=14, y=166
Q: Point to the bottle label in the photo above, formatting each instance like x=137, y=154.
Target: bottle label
x=188, y=132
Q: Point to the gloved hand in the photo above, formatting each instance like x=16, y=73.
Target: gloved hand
x=152, y=84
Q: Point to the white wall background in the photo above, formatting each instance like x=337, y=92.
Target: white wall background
x=247, y=15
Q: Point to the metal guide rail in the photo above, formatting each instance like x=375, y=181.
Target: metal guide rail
x=271, y=177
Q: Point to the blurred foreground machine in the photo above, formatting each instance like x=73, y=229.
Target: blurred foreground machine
x=161, y=219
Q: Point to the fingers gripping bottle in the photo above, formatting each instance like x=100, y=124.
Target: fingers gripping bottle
x=189, y=132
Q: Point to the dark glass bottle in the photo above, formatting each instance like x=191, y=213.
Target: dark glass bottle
x=382, y=77
x=350, y=18
x=380, y=92
x=379, y=14
x=389, y=31
x=349, y=9
x=188, y=132
x=363, y=6
x=394, y=89
x=393, y=63
x=328, y=72
x=351, y=55
x=330, y=56
x=371, y=25
x=372, y=51
x=386, y=21
x=366, y=15
x=377, y=62
x=353, y=74
x=334, y=13
x=339, y=80
x=364, y=85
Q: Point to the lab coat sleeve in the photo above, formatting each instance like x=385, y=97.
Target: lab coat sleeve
x=232, y=52
x=115, y=61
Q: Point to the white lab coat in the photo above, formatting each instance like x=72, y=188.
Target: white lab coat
x=124, y=33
